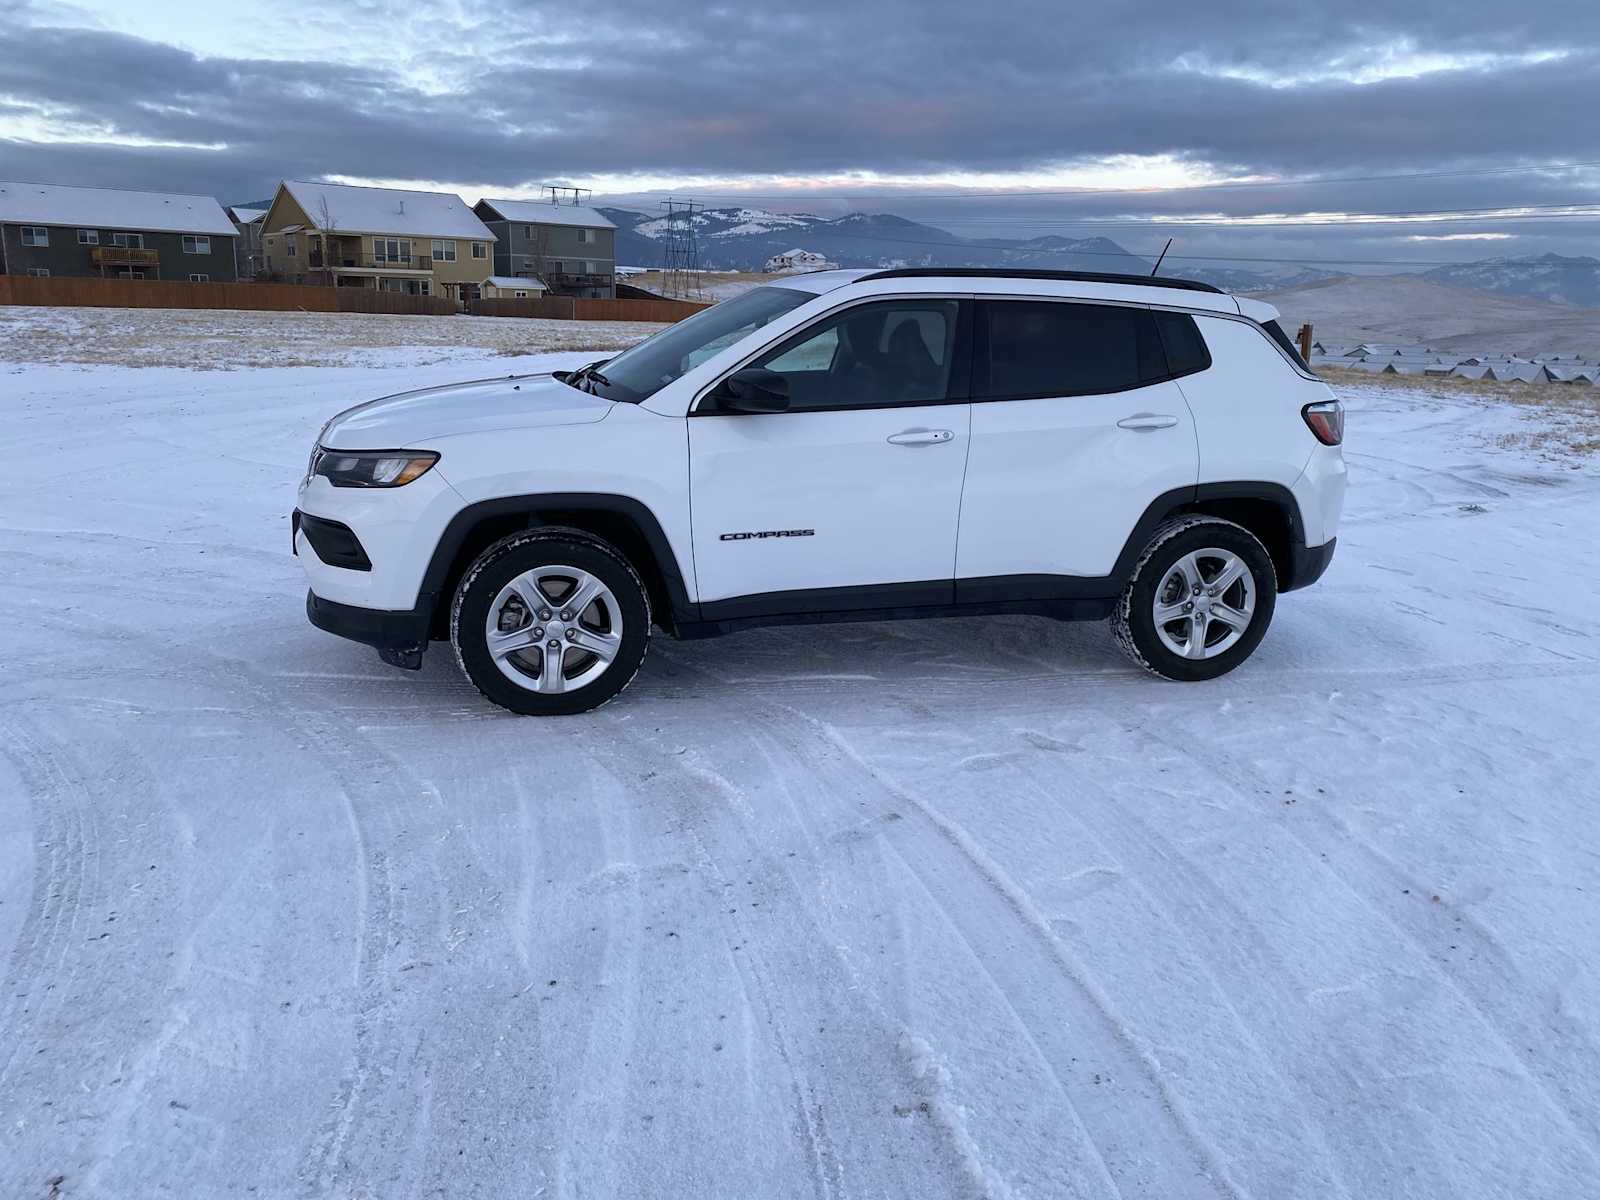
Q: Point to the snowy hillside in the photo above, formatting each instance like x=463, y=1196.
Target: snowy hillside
x=1414, y=309
x=1551, y=277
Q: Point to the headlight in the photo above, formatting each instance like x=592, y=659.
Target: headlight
x=371, y=468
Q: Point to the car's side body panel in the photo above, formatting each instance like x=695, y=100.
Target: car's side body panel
x=1055, y=484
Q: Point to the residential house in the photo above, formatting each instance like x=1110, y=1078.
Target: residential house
x=52, y=229
x=248, y=222
x=389, y=239
x=797, y=261
x=506, y=287
x=571, y=248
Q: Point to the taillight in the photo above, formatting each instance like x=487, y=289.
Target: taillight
x=1326, y=418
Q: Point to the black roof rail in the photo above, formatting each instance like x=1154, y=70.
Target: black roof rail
x=1185, y=285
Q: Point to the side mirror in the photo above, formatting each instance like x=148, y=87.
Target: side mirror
x=753, y=390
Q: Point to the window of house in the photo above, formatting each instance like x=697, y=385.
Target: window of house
x=39, y=272
x=196, y=244
x=873, y=355
x=196, y=277
x=586, y=237
x=131, y=273
x=480, y=250
x=35, y=235
x=444, y=251
x=527, y=232
x=520, y=295
x=1042, y=348
x=424, y=288
x=128, y=241
x=88, y=237
x=289, y=247
x=391, y=250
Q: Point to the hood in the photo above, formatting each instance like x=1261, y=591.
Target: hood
x=410, y=419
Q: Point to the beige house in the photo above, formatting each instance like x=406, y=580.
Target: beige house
x=419, y=243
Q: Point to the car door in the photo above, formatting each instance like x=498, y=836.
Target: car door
x=849, y=498
x=1077, y=426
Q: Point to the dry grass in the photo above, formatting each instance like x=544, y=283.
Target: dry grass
x=1568, y=414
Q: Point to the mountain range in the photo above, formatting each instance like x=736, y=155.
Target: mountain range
x=742, y=239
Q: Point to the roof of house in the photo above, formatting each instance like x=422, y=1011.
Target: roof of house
x=112, y=208
x=542, y=212
x=246, y=215
x=509, y=281
x=352, y=209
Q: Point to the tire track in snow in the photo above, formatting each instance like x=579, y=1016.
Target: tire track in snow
x=1204, y=916
x=1096, y=1029
x=66, y=889
x=810, y=1101
x=1493, y=990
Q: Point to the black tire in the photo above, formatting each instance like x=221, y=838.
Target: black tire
x=521, y=552
x=1133, y=622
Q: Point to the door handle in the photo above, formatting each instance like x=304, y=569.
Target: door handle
x=921, y=437
x=1148, y=421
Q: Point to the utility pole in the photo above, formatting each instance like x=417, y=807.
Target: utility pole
x=680, y=268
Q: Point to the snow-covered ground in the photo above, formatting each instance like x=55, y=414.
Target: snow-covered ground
x=233, y=340
x=936, y=909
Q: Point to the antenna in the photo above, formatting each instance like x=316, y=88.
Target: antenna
x=1162, y=259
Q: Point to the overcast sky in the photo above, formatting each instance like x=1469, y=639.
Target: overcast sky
x=841, y=105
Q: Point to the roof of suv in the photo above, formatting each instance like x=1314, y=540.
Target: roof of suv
x=1092, y=285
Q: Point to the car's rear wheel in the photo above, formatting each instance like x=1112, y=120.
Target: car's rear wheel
x=1199, y=601
x=549, y=622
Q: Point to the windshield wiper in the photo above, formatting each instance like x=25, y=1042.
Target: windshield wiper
x=590, y=374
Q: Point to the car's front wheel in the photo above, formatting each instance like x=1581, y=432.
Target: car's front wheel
x=550, y=622
x=1199, y=601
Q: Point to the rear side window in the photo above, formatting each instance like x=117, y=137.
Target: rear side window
x=1186, y=349
x=1032, y=348
x=1276, y=333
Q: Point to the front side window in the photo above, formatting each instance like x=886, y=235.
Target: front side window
x=444, y=251
x=128, y=241
x=196, y=244
x=586, y=236
x=88, y=237
x=1038, y=348
x=886, y=353
x=480, y=249
x=196, y=277
x=391, y=250
x=639, y=373
x=35, y=235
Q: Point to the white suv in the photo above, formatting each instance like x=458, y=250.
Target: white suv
x=846, y=445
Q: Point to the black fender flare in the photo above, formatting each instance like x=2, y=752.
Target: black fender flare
x=1185, y=499
x=531, y=505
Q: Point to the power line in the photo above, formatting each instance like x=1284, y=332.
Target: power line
x=1241, y=185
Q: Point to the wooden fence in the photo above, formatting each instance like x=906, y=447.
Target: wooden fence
x=166, y=293
x=569, y=308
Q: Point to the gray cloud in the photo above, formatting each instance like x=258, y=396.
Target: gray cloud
x=512, y=94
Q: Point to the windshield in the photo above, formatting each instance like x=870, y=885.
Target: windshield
x=639, y=373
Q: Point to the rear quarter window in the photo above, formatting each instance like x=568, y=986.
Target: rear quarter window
x=1276, y=333
x=1186, y=350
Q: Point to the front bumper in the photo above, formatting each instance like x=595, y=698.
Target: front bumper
x=400, y=636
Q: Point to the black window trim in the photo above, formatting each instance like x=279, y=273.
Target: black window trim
x=961, y=364
x=980, y=348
